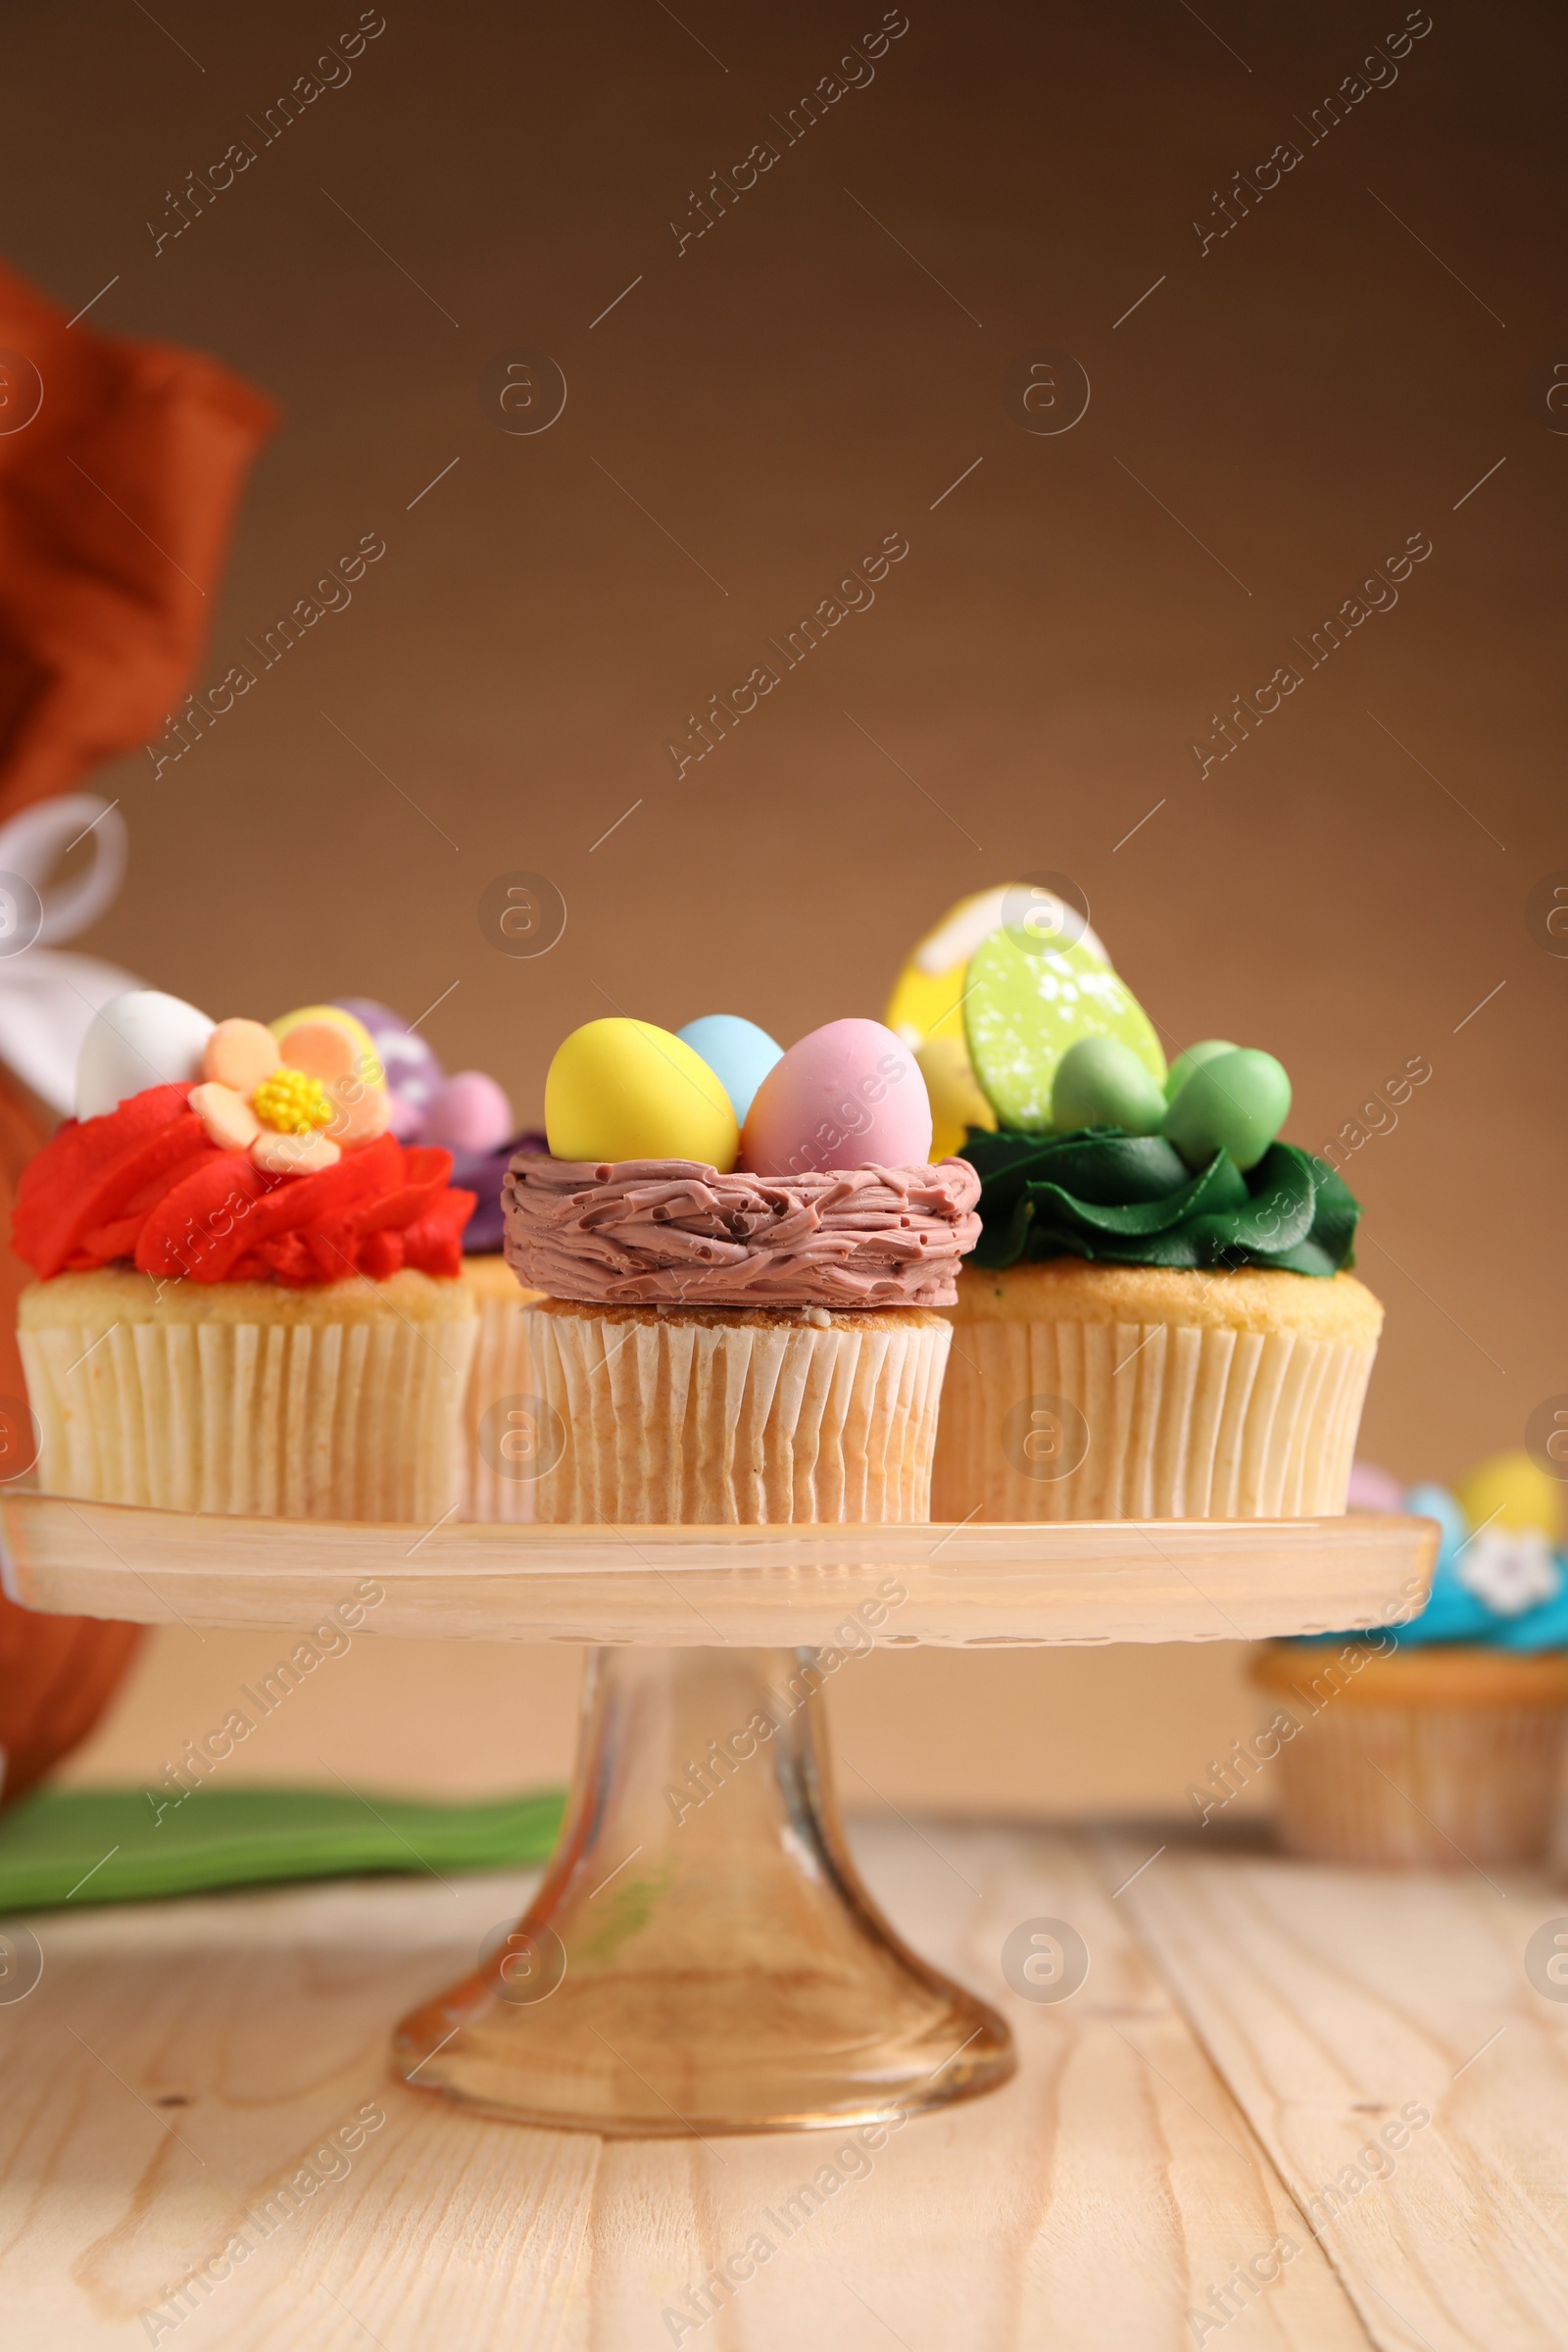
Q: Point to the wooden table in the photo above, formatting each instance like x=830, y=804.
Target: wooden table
x=1248, y=2028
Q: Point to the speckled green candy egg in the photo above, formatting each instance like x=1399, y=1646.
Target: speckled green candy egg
x=1023, y=1009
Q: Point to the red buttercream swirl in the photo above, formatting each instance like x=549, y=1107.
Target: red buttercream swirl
x=143, y=1182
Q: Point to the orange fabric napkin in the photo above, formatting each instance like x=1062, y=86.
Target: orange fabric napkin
x=121, y=467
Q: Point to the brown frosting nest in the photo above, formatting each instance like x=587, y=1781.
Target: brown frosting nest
x=673, y=1233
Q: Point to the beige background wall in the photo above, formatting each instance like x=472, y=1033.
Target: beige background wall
x=1286, y=405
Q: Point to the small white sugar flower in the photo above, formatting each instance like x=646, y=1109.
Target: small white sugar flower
x=1511, y=1569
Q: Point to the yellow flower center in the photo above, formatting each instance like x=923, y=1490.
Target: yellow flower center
x=291, y=1102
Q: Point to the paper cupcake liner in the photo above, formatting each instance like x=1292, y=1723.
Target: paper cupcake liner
x=1425, y=1757
x=501, y=1387
x=1424, y=1788
x=1162, y=1421
x=692, y=1419
x=290, y=1420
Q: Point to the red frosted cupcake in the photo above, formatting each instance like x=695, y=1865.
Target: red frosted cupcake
x=249, y=1294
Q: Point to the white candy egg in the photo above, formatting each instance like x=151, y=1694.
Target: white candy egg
x=140, y=1040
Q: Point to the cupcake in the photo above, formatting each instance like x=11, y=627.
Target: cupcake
x=1157, y=1320
x=741, y=1320
x=1438, y=1742
x=249, y=1294
x=468, y=1115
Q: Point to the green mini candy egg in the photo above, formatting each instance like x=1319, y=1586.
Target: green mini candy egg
x=1100, y=1083
x=1236, y=1101
x=1024, y=1006
x=1182, y=1068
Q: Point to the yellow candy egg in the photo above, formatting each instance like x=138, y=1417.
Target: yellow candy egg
x=956, y=1102
x=369, y=1061
x=929, y=991
x=926, y=993
x=624, y=1089
x=1513, y=1491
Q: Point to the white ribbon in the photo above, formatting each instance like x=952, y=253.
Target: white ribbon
x=47, y=998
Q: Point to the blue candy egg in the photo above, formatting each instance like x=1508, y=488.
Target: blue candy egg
x=738, y=1053
x=1428, y=1500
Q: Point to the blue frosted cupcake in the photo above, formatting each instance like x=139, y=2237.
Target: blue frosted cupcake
x=1438, y=1741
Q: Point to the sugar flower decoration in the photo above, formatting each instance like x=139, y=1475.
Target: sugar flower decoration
x=294, y=1104
x=1511, y=1569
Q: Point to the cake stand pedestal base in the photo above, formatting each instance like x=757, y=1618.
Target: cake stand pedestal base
x=701, y=1957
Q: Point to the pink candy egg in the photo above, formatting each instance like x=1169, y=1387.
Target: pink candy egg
x=847, y=1096
x=1373, y=1489
x=468, y=1113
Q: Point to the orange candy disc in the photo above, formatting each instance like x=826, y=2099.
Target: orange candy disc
x=227, y=1119
x=360, y=1108
x=293, y=1154
x=321, y=1050
x=240, y=1054
x=360, y=1112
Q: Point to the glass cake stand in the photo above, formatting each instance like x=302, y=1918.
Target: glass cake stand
x=701, y=1957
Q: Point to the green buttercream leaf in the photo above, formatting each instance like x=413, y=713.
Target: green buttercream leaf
x=1130, y=1201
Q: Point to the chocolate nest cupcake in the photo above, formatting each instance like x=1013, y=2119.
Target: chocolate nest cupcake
x=743, y=1345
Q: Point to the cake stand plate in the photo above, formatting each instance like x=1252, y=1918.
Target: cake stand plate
x=1164, y=1580
x=701, y=1957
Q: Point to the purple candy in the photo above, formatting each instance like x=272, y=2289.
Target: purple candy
x=371, y=1014
x=411, y=1078
x=468, y=1115
x=413, y=1074
x=409, y=1063
x=482, y=1172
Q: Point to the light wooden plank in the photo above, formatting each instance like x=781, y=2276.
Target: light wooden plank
x=268, y=2014
x=1088, y=2206
x=1332, y=2001
x=1208, y=1580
